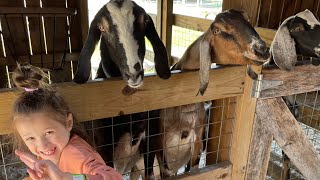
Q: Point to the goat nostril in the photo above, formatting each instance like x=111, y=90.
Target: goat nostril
x=260, y=49
x=127, y=75
x=184, y=134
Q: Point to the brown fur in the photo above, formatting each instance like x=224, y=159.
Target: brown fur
x=181, y=131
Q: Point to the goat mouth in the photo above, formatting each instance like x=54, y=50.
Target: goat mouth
x=135, y=85
x=257, y=57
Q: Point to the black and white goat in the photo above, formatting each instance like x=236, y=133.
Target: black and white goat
x=229, y=40
x=298, y=34
x=122, y=25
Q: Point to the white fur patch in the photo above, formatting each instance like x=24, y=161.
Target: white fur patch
x=317, y=50
x=123, y=18
x=309, y=17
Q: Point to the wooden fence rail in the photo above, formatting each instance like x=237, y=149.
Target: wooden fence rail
x=104, y=99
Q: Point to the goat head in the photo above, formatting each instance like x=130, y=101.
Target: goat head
x=122, y=25
x=297, y=34
x=229, y=40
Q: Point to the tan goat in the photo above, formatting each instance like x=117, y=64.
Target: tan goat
x=230, y=40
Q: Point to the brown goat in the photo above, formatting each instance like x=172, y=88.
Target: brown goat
x=229, y=40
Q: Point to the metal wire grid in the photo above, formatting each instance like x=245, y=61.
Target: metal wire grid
x=218, y=136
x=100, y=131
x=182, y=38
x=221, y=138
x=9, y=49
x=305, y=107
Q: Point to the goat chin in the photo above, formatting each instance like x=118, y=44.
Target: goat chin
x=178, y=150
x=126, y=155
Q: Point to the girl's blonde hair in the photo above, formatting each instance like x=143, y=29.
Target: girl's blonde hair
x=39, y=96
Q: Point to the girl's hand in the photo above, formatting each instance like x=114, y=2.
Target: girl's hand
x=42, y=169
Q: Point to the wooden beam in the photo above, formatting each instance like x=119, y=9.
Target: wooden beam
x=242, y=130
x=84, y=19
x=276, y=116
x=37, y=11
x=36, y=59
x=197, y=24
x=220, y=130
x=259, y=155
x=166, y=13
x=103, y=99
x=218, y=171
x=305, y=78
x=251, y=7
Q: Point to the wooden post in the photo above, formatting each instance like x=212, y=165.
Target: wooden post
x=220, y=130
x=83, y=10
x=242, y=131
x=3, y=77
x=259, y=152
x=165, y=16
x=276, y=116
x=251, y=7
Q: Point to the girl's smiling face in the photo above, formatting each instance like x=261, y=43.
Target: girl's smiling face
x=44, y=136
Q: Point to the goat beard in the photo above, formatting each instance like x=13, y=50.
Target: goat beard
x=127, y=90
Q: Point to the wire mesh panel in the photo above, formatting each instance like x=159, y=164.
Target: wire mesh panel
x=305, y=107
x=185, y=142
x=33, y=33
x=182, y=38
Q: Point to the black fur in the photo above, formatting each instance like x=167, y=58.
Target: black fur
x=113, y=56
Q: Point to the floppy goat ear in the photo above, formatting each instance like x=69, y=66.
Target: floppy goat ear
x=205, y=61
x=283, y=48
x=84, y=64
x=160, y=52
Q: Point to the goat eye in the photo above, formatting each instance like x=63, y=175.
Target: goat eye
x=216, y=31
x=297, y=29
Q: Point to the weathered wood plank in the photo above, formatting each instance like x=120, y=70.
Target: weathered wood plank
x=302, y=79
x=104, y=99
x=36, y=11
x=36, y=59
x=3, y=77
x=200, y=24
x=277, y=118
x=83, y=20
x=275, y=14
x=197, y=24
x=220, y=130
x=289, y=9
x=259, y=152
x=251, y=7
x=263, y=20
x=218, y=171
x=242, y=130
x=166, y=13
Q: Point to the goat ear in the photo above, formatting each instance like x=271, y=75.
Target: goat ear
x=283, y=49
x=84, y=64
x=205, y=61
x=160, y=52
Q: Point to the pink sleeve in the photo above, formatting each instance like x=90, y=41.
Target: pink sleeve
x=95, y=170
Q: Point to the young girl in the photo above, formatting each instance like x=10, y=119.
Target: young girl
x=44, y=126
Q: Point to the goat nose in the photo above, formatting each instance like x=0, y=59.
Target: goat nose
x=260, y=47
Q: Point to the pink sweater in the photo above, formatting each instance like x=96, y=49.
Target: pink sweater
x=78, y=157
